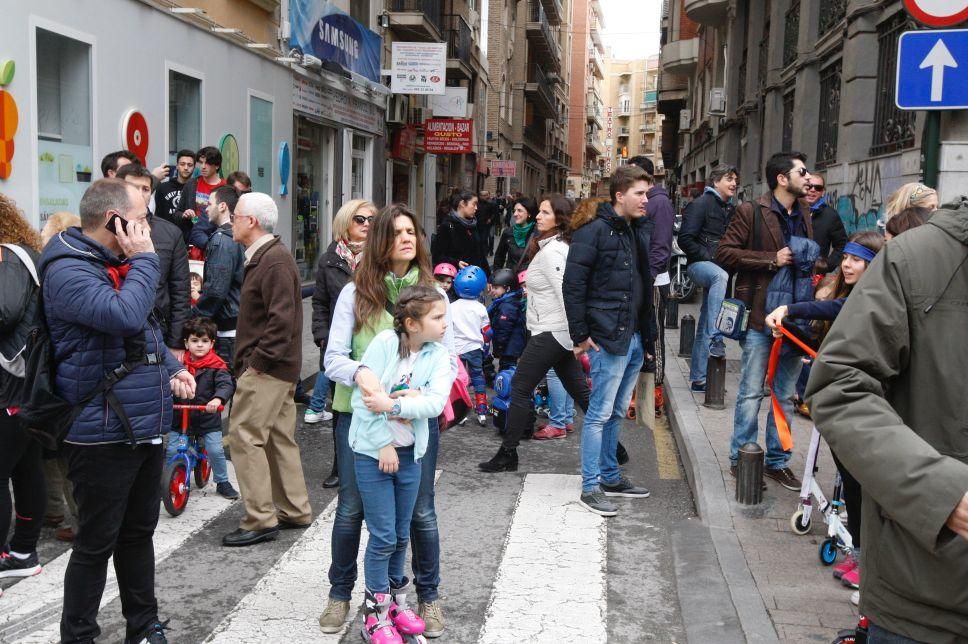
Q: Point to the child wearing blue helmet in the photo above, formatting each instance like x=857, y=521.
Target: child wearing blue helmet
x=472, y=329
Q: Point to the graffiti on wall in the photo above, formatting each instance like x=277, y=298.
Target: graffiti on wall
x=863, y=196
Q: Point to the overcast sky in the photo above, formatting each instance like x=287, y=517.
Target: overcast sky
x=632, y=27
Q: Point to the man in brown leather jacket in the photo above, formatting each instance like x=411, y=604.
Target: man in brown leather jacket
x=755, y=245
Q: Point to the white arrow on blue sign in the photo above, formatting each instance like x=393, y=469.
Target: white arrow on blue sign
x=932, y=70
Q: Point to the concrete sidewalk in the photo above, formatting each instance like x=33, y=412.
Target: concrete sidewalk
x=777, y=584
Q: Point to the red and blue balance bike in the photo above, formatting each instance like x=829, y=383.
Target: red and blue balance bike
x=190, y=457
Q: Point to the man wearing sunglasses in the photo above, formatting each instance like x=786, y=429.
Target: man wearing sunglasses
x=755, y=246
x=828, y=228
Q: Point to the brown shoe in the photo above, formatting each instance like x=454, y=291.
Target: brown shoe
x=802, y=408
x=785, y=477
x=64, y=534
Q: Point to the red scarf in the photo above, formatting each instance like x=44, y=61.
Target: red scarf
x=117, y=274
x=210, y=360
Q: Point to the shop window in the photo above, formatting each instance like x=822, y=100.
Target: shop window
x=184, y=112
x=63, y=122
x=260, y=144
x=358, y=172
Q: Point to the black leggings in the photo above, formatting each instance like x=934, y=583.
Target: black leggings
x=542, y=352
x=21, y=460
x=852, y=499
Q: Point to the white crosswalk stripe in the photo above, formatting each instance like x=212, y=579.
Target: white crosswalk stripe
x=32, y=607
x=550, y=585
x=555, y=593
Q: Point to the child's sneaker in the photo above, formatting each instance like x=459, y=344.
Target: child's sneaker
x=377, y=627
x=480, y=407
x=845, y=566
x=855, y=598
x=851, y=579
x=11, y=566
x=549, y=432
x=226, y=490
x=404, y=619
x=313, y=417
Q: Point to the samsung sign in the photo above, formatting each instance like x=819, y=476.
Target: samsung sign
x=323, y=30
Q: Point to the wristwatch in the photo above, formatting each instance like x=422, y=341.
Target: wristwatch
x=395, y=410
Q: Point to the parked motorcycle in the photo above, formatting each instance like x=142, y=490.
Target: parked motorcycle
x=681, y=288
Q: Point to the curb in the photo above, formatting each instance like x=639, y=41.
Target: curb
x=705, y=478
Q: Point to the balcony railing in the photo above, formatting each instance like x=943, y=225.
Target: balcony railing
x=459, y=40
x=537, y=15
x=540, y=78
x=433, y=9
x=536, y=136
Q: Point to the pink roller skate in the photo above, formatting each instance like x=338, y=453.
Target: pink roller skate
x=409, y=625
x=377, y=627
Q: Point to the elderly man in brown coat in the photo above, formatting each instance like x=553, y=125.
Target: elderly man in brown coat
x=268, y=358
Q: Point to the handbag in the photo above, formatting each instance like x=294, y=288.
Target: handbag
x=733, y=319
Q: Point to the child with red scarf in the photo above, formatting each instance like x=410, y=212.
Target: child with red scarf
x=213, y=387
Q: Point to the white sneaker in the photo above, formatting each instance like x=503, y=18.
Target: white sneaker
x=855, y=598
x=312, y=417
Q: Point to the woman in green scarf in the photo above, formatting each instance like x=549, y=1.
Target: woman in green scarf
x=514, y=240
x=396, y=257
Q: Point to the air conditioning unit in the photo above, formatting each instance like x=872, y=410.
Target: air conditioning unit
x=717, y=101
x=685, y=118
x=397, y=105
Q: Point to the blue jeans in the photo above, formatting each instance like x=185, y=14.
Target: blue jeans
x=320, y=390
x=713, y=279
x=613, y=380
x=474, y=361
x=216, y=453
x=802, y=380
x=756, y=355
x=562, y=405
x=424, y=537
x=388, y=501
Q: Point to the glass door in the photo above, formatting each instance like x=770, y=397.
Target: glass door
x=313, y=216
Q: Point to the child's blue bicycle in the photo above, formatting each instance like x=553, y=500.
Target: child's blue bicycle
x=191, y=457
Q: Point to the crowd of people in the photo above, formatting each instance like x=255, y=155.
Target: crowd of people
x=173, y=282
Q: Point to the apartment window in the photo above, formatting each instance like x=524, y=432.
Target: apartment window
x=184, y=112
x=63, y=121
x=831, y=13
x=625, y=104
x=360, y=10
x=791, y=32
x=893, y=128
x=260, y=144
x=830, y=77
x=764, y=50
x=788, y=99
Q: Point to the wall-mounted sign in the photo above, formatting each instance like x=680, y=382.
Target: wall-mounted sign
x=449, y=136
x=284, y=168
x=325, y=31
x=938, y=13
x=134, y=134
x=453, y=103
x=327, y=103
x=229, y=147
x=418, y=68
x=504, y=168
x=9, y=119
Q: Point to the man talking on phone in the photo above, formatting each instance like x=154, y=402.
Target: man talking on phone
x=99, y=309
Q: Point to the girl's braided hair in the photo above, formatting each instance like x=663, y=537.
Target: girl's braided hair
x=414, y=303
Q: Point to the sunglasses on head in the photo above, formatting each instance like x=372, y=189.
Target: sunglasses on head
x=360, y=220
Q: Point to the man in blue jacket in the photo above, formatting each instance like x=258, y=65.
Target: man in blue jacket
x=99, y=292
x=603, y=302
x=703, y=225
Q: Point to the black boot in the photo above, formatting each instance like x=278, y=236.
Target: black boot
x=621, y=454
x=506, y=460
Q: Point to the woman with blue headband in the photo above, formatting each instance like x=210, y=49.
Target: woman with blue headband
x=858, y=254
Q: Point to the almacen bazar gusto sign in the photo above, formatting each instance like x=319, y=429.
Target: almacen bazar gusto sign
x=449, y=136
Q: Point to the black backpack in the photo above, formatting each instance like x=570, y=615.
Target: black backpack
x=47, y=415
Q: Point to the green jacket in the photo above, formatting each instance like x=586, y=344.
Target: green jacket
x=888, y=394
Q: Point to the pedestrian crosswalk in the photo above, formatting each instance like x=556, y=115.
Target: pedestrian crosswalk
x=554, y=594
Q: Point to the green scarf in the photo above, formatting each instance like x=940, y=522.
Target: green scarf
x=396, y=284
x=521, y=233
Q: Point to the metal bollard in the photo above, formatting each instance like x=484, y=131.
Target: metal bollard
x=672, y=314
x=715, y=383
x=687, y=335
x=749, y=475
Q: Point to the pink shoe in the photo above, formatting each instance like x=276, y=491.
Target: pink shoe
x=377, y=627
x=844, y=567
x=404, y=619
x=549, y=432
x=851, y=579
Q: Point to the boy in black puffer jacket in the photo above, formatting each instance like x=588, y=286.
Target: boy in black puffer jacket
x=213, y=387
x=507, y=316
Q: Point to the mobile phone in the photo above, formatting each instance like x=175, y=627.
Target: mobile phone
x=172, y=171
x=116, y=217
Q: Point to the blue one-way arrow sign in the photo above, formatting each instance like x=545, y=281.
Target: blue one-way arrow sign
x=932, y=70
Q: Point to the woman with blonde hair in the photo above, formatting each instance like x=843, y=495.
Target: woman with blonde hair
x=58, y=223
x=21, y=457
x=333, y=270
x=911, y=194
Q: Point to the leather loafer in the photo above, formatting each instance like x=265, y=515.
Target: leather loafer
x=291, y=525
x=243, y=537
x=331, y=481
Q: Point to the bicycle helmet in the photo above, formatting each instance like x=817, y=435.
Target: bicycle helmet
x=470, y=282
x=445, y=269
x=523, y=277
x=505, y=277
